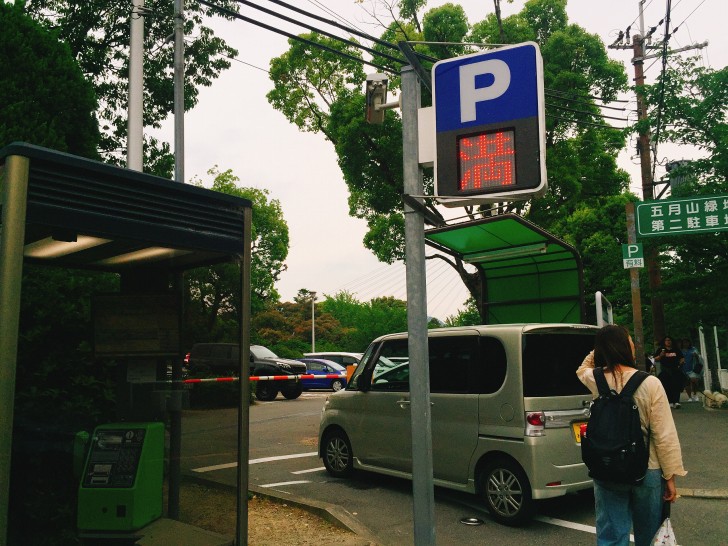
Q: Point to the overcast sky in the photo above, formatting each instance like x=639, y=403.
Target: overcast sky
x=234, y=127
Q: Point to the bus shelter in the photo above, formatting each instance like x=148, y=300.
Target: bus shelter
x=528, y=275
x=71, y=212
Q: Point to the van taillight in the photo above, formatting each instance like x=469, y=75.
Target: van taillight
x=582, y=430
x=535, y=423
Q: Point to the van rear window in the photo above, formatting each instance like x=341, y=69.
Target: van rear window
x=550, y=361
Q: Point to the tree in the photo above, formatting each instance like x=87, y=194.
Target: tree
x=364, y=322
x=687, y=106
x=214, y=292
x=581, y=148
x=44, y=98
x=97, y=32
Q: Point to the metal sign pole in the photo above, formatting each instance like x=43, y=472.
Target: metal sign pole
x=634, y=281
x=422, y=481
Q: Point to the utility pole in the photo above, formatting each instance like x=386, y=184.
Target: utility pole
x=135, y=124
x=644, y=148
x=645, y=151
x=179, y=91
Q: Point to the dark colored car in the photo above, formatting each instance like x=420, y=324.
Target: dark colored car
x=223, y=359
x=322, y=368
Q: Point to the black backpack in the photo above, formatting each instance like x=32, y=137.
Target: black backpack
x=614, y=448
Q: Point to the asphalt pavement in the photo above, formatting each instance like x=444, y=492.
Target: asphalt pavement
x=703, y=436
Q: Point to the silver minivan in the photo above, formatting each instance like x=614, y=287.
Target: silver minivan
x=506, y=413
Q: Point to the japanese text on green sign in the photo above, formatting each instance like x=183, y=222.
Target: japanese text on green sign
x=689, y=215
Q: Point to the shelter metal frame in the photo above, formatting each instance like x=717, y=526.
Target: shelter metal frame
x=67, y=211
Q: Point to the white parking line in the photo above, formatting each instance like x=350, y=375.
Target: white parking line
x=319, y=469
x=567, y=524
x=543, y=519
x=254, y=461
x=571, y=525
x=281, y=484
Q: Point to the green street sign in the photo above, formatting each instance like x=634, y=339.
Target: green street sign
x=682, y=216
x=633, y=255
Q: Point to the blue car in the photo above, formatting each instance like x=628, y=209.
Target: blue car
x=323, y=368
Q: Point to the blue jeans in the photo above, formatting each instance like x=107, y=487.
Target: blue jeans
x=619, y=507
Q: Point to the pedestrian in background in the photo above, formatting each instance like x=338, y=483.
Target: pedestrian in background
x=671, y=376
x=620, y=507
x=691, y=362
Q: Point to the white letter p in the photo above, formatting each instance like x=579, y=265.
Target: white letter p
x=470, y=95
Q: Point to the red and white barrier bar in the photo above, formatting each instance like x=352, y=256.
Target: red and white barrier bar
x=264, y=378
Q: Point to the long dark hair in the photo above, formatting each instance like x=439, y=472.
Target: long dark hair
x=612, y=347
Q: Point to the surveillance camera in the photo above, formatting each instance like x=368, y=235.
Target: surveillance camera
x=376, y=94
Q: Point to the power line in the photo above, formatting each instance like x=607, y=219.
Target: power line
x=555, y=95
x=332, y=12
x=319, y=31
x=661, y=100
x=581, y=122
x=574, y=110
x=236, y=15
x=337, y=25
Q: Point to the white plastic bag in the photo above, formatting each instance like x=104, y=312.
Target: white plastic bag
x=665, y=535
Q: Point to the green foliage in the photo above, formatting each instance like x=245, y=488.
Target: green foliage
x=58, y=380
x=581, y=150
x=342, y=323
x=470, y=316
x=44, y=98
x=214, y=292
x=97, y=32
x=691, y=102
x=365, y=321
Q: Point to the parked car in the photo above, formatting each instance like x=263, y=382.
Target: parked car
x=505, y=417
x=321, y=368
x=343, y=358
x=223, y=359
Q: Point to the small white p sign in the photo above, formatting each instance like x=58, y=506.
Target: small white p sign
x=633, y=255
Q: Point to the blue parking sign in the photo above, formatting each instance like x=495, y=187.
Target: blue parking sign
x=489, y=126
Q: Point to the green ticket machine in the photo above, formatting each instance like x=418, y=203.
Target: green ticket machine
x=121, y=485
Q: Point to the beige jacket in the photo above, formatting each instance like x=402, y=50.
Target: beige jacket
x=655, y=413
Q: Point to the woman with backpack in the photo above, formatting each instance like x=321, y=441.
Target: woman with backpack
x=619, y=506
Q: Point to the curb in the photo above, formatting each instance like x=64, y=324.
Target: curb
x=332, y=513
x=703, y=493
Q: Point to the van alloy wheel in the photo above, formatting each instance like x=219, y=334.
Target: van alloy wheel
x=507, y=492
x=338, y=458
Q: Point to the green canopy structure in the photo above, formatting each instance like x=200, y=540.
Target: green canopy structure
x=529, y=275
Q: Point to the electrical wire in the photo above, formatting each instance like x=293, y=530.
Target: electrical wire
x=319, y=31
x=588, y=123
x=556, y=95
x=594, y=114
x=235, y=15
x=337, y=25
x=553, y=92
x=332, y=12
x=661, y=100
